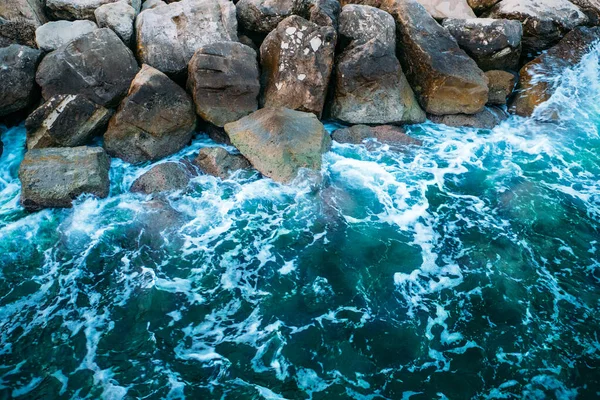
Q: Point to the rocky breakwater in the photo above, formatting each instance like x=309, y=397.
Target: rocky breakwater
x=140, y=78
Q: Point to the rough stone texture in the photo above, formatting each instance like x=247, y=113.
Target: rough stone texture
x=533, y=88
x=263, y=16
x=52, y=35
x=325, y=12
x=481, y=5
x=119, y=17
x=168, y=37
x=388, y=134
x=297, y=59
x=370, y=87
x=150, y=4
x=17, y=78
x=219, y=162
x=80, y=9
x=545, y=22
x=97, y=65
x=591, y=8
x=223, y=78
x=65, y=121
x=278, y=141
x=163, y=177
x=492, y=43
x=53, y=177
x=155, y=120
x=28, y=12
x=487, y=118
x=501, y=86
x=440, y=9
x=17, y=32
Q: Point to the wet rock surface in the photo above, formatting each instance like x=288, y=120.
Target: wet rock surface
x=501, y=86
x=219, y=162
x=387, y=134
x=163, y=177
x=17, y=78
x=487, y=118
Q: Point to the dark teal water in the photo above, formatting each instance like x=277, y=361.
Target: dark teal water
x=466, y=268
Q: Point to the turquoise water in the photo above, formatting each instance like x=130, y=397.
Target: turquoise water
x=465, y=268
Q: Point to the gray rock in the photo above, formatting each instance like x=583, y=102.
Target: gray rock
x=53, y=177
x=297, y=60
x=263, y=16
x=501, y=86
x=487, y=118
x=163, y=177
x=223, y=78
x=97, y=65
x=492, y=43
x=278, y=142
x=325, y=12
x=441, y=9
x=168, y=37
x=80, y=9
x=155, y=120
x=65, y=121
x=119, y=17
x=17, y=78
x=17, y=32
x=359, y=24
x=387, y=134
x=150, y=4
x=29, y=12
x=52, y=35
x=219, y=162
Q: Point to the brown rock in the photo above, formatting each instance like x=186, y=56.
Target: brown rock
x=482, y=5
x=263, y=16
x=487, y=118
x=219, y=162
x=163, y=177
x=501, y=86
x=388, y=134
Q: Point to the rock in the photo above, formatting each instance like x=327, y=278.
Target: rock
x=16, y=32
x=501, y=86
x=591, y=8
x=370, y=87
x=155, y=120
x=97, y=65
x=52, y=35
x=440, y=9
x=535, y=83
x=544, y=23
x=388, y=134
x=150, y=4
x=168, y=37
x=65, y=121
x=27, y=12
x=278, y=141
x=53, y=177
x=492, y=43
x=163, y=177
x=481, y=5
x=119, y=17
x=325, y=12
x=296, y=60
x=487, y=118
x=223, y=78
x=80, y=9
x=219, y=162
x=17, y=78
x=263, y=16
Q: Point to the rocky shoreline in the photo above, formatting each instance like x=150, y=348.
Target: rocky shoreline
x=261, y=74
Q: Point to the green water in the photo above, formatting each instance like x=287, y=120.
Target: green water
x=465, y=268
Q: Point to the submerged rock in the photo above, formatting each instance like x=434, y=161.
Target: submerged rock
x=155, y=120
x=487, y=118
x=168, y=37
x=65, y=121
x=53, y=177
x=97, y=65
x=387, y=134
x=119, y=17
x=17, y=78
x=278, y=142
x=52, y=35
x=163, y=177
x=219, y=162
x=441, y=9
x=296, y=60
x=80, y=9
x=501, y=86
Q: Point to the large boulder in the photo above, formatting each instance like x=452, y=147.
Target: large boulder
x=487, y=118
x=441, y=9
x=65, y=121
x=492, y=43
x=155, y=120
x=536, y=83
x=17, y=32
x=97, y=65
x=119, y=17
x=30, y=13
x=17, y=78
x=544, y=23
x=223, y=78
x=168, y=37
x=55, y=34
x=263, y=16
x=219, y=162
x=370, y=87
x=278, y=142
x=387, y=134
x=53, y=177
x=163, y=177
x=297, y=59
x=501, y=84
x=80, y=9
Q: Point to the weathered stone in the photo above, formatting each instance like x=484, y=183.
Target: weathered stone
x=150, y=4
x=223, y=78
x=65, y=121
x=97, y=65
x=80, y=9
x=52, y=35
x=387, y=134
x=481, y=5
x=591, y=8
x=263, y=16
x=487, y=118
x=119, y=17
x=297, y=59
x=545, y=22
x=155, y=120
x=219, y=162
x=325, y=12
x=535, y=83
x=492, y=43
x=54, y=177
x=278, y=142
x=440, y=9
x=17, y=78
x=17, y=32
x=501, y=84
x=360, y=24
x=168, y=37
x=29, y=12
x=163, y=177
